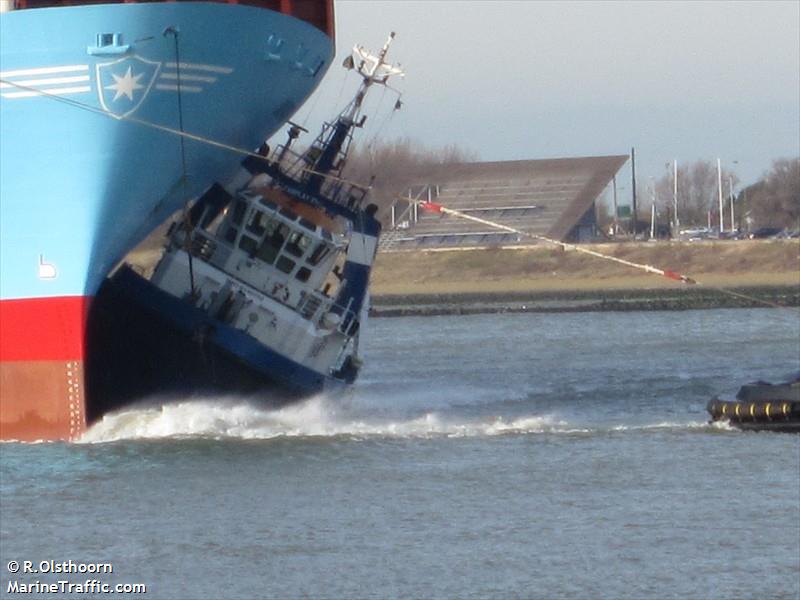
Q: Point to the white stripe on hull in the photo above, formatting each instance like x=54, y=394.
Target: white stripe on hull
x=200, y=67
x=49, y=92
x=165, y=87
x=185, y=77
x=43, y=71
x=41, y=82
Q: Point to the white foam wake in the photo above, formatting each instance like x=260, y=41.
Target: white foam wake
x=236, y=417
x=317, y=417
x=670, y=425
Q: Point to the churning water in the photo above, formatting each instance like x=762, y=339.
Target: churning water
x=526, y=455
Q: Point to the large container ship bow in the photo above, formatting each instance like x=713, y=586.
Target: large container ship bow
x=106, y=110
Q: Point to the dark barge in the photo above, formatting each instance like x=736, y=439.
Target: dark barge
x=761, y=406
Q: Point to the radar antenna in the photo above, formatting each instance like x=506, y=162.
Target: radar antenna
x=373, y=69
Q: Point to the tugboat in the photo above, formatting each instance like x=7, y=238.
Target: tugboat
x=761, y=406
x=263, y=284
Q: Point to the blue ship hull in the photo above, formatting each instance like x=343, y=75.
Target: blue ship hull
x=90, y=160
x=84, y=174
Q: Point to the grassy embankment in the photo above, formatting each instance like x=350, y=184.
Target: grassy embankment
x=727, y=264
x=547, y=279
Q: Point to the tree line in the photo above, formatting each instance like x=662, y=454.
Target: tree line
x=392, y=166
x=773, y=201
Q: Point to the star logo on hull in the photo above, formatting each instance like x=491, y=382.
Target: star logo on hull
x=125, y=85
x=122, y=85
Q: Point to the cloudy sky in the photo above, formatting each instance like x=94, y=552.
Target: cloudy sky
x=520, y=80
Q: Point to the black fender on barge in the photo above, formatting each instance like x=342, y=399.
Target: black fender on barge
x=761, y=406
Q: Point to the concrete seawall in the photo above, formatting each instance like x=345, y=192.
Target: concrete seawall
x=688, y=298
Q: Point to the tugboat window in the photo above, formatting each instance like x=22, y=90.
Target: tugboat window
x=258, y=223
x=307, y=224
x=266, y=252
x=270, y=228
x=278, y=235
x=320, y=252
x=230, y=235
x=288, y=214
x=248, y=244
x=285, y=264
x=238, y=212
x=268, y=203
x=297, y=244
x=273, y=241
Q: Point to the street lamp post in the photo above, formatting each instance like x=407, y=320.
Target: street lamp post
x=652, y=207
x=676, y=222
x=633, y=189
x=730, y=189
x=719, y=187
x=616, y=210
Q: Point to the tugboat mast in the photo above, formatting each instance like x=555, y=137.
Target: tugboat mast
x=373, y=69
x=331, y=150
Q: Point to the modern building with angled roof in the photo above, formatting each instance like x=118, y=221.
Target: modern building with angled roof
x=554, y=198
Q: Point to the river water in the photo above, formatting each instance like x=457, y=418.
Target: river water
x=525, y=455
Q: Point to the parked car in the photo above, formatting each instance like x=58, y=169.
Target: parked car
x=695, y=234
x=765, y=233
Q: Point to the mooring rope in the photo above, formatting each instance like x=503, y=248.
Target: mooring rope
x=172, y=131
x=431, y=206
x=131, y=119
x=438, y=208
x=184, y=176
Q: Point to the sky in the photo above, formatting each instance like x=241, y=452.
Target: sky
x=533, y=79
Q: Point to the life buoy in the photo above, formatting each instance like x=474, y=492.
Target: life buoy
x=281, y=292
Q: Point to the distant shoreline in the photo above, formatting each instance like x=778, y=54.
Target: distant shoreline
x=620, y=300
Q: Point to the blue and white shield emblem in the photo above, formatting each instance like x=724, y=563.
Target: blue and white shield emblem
x=122, y=85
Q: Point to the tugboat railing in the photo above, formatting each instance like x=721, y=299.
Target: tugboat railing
x=296, y=163
x=318, y=306
x=337, y=190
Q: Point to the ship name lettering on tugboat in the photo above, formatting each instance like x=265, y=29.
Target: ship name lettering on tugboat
x=297, y=192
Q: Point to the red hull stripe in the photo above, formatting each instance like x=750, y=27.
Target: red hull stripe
x=43, y=328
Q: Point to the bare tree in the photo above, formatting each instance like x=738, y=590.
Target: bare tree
x=698, y=192
x=775, y=200
x=392, y=166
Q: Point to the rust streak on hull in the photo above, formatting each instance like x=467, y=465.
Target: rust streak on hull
x=42, y=400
